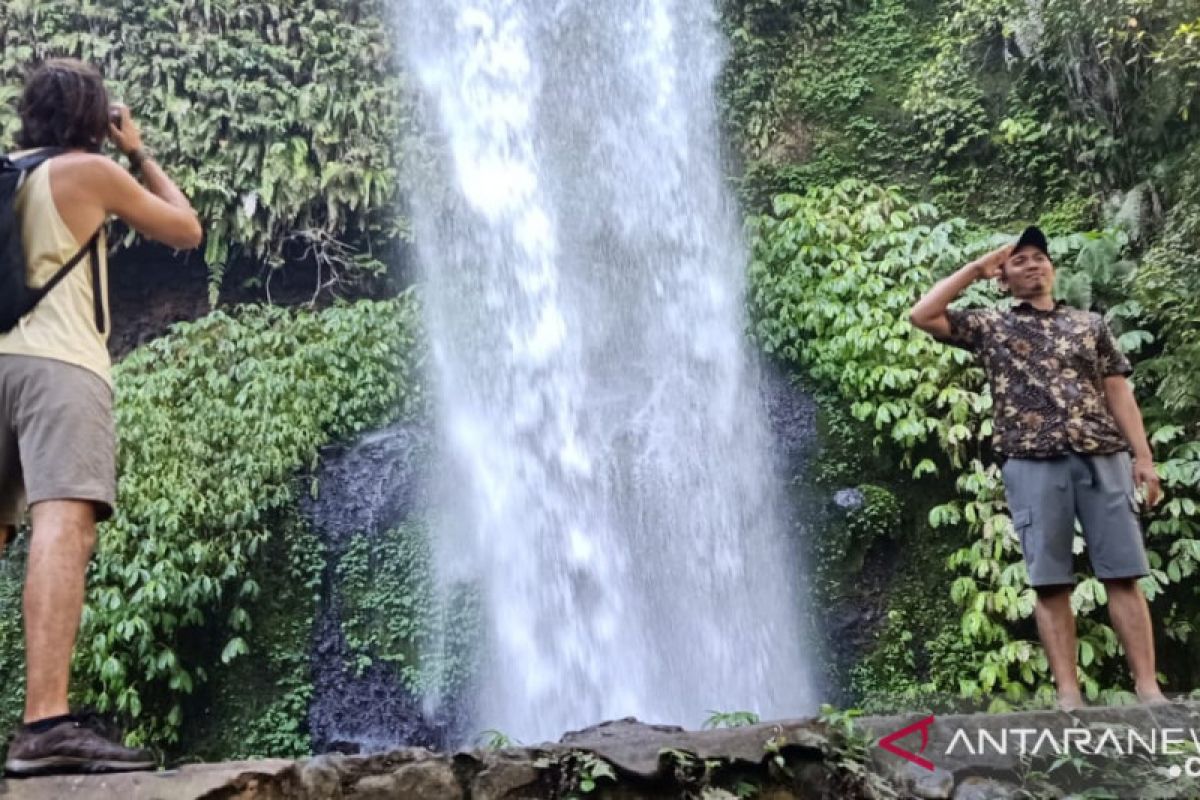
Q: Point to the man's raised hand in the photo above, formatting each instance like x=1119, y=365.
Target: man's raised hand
x=126, y=136
x=988, y=266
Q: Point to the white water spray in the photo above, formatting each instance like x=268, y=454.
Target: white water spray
x=613, y=491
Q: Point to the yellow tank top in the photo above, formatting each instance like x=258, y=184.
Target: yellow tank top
x=63, y=325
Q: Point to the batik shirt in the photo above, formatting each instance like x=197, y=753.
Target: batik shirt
x=1046, y=370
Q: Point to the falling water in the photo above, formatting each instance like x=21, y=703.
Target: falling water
x=611, y=484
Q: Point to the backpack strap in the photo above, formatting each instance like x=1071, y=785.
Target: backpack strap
x=27, y=164
x=92, y=249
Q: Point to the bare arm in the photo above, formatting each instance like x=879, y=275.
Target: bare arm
x=929, y=314
x=150, y=214
x=1124, y=408
x=158, y=211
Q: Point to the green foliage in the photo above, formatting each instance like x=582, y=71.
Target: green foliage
x=1167, y=285
x=918, y=655
x=12, y=634
x=1098, y=276
x=1050, y=91
x=730, y=719
x=388, y=600
x=763, y=34
x=1180, y=58
x=997, y=109
x=590, y=770
x=833, y=274
x=821, y=107
x=890, y=671
x=391, y=612
x=849, y=753
x=877, y=45
x=1072, y=213
x=839, y=552
x=493, y=739
x=287, y=125
x=1165, y=290
x=840, y=723
x=215, y=421
x=257, y=707
x=947, y=110
x=877, y=517
x=577, y=773
x=1056, y=100
x=846, y=451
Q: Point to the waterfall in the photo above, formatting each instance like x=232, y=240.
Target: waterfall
x=610, y=484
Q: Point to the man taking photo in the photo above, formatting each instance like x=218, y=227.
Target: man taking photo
x=57, y=439
x=1065, y=422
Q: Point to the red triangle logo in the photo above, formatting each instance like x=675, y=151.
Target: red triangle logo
x=888, y=742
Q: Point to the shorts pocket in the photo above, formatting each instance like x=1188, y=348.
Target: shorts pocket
x=1022, y=519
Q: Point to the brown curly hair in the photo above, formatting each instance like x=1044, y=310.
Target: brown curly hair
x=65, y=104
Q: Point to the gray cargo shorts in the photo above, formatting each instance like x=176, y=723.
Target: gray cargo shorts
x=1045, y=495
x=57, y=437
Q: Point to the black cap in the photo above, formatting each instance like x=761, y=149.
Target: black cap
x=1033, y=237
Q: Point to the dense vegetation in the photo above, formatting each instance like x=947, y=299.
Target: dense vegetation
x=287, y=125
x=215, y=422
x=979, y=116
x=881, y=143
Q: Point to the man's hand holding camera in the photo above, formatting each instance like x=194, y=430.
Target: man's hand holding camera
x=126, y=136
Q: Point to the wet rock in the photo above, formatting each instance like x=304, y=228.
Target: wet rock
x=321, y=777
x=848, y=499
x=635, y=748
x=935, y=785
x=974, y=787
x=792, y=415
x=252, y=779
x=370, y=485
x=377, y=787
x=367, y=711
x=505, y=775
x=367, y=487
x=151, y=290
x=427, y=780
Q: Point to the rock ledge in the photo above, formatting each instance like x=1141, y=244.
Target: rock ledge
x=775, y=761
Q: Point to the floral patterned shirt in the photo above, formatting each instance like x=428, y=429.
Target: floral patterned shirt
x=1046, y=370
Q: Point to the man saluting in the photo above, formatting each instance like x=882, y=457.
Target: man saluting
x=1065, y=423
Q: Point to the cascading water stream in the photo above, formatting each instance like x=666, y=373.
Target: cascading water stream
x=611, y=487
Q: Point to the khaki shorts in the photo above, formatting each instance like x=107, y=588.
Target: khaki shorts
x=57, y=438
x=1047, y=495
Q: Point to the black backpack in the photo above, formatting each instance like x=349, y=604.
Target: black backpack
x=18, y=298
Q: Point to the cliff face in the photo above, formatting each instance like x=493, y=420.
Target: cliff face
x=152, y=287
